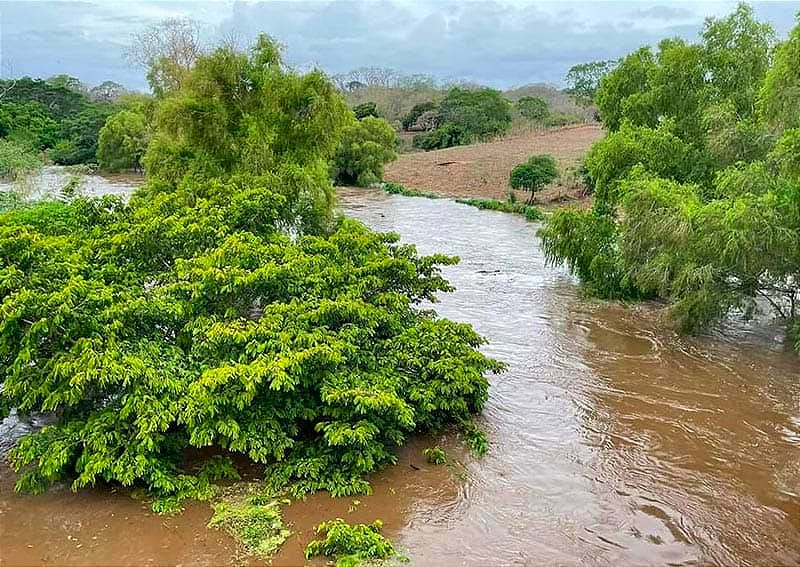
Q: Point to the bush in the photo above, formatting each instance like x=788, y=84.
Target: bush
x=533, y=108
x=410, y=120
x=366, y=146
x=435, y=455
x=17, y=161
x=365, y=109
x=351, y=546
x=558, y=119
x=534, y=174
x=479, y=114
x=252, y=516
x=123, y=141
x=445, y=136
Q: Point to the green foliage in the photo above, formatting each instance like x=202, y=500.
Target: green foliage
x=435, y=455
x=529, y=212
x=210, y=312
x=697, y=198
x=351, y=546
x=366, y=146
x=584, y=79
x=445, y=136
x=17, y=161
x=28, y=123
x=55, y=114
x=533, y=108
x=268, y=121
x=658, y=150
x=558, y=119
x=252, y=515
x=480, y=114
x=123, y=141
x=397, y=189
x=365, y=109
x=779, y=102
x=410, y=120
x=534, y=174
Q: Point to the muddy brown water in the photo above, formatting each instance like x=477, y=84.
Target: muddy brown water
x=612, y=440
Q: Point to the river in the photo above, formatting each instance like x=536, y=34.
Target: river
x=612, y=440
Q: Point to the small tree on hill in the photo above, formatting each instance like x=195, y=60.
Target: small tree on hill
x=534, y=174
x=533, y=108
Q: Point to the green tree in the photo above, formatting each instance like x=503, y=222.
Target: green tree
x=410, y=119
x=78, y=135
x=208, y=312
x=268, y=122
x=533, y=175
x=123, y=141
x=365, y=109
x=584, y=79
x=366, y=146
x=696, y=200
x=480, y=113
x=533, y=108
x=779, y=101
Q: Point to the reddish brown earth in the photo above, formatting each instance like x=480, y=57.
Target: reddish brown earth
x=481, y=170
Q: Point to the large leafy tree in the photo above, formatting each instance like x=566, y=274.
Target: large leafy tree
x=698, y=183
x=366, y=146
x=211, y=312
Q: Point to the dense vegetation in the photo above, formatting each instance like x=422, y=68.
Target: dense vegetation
x=465, y=116
x=59, y=115
x=366, y=146
x=697, y=182
x=225, y=307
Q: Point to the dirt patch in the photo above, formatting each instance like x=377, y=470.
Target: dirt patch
x=481, y=170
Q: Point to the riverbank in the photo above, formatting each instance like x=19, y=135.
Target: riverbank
x=481, y=170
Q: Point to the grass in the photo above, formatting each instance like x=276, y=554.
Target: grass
x=397, y=189
x=251, y=515
x=530, y=212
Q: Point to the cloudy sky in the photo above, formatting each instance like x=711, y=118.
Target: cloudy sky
x=500, y=43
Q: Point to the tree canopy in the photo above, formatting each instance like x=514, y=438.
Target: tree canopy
x=224, y=307
x=697, y=184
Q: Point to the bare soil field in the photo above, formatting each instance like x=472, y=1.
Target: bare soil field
x=481, y=170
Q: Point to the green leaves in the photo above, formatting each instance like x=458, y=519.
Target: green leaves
x=352, y=545
x=182, y=320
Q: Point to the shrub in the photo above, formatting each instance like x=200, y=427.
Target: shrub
x=533, y=108
x=122, y=141
x=534, y=174
x=17, y=160
x=410, y=120
x=557, y=119
x=365, y=109
x=435, y=455
x=445, y=136
x=252, y=516
x=351, y=545
x=480, y=114
x=366, y=146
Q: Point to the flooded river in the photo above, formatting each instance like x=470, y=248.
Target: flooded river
x=612, y=440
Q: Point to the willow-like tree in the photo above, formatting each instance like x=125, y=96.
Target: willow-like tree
x=225, y=308
x=697, y=182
